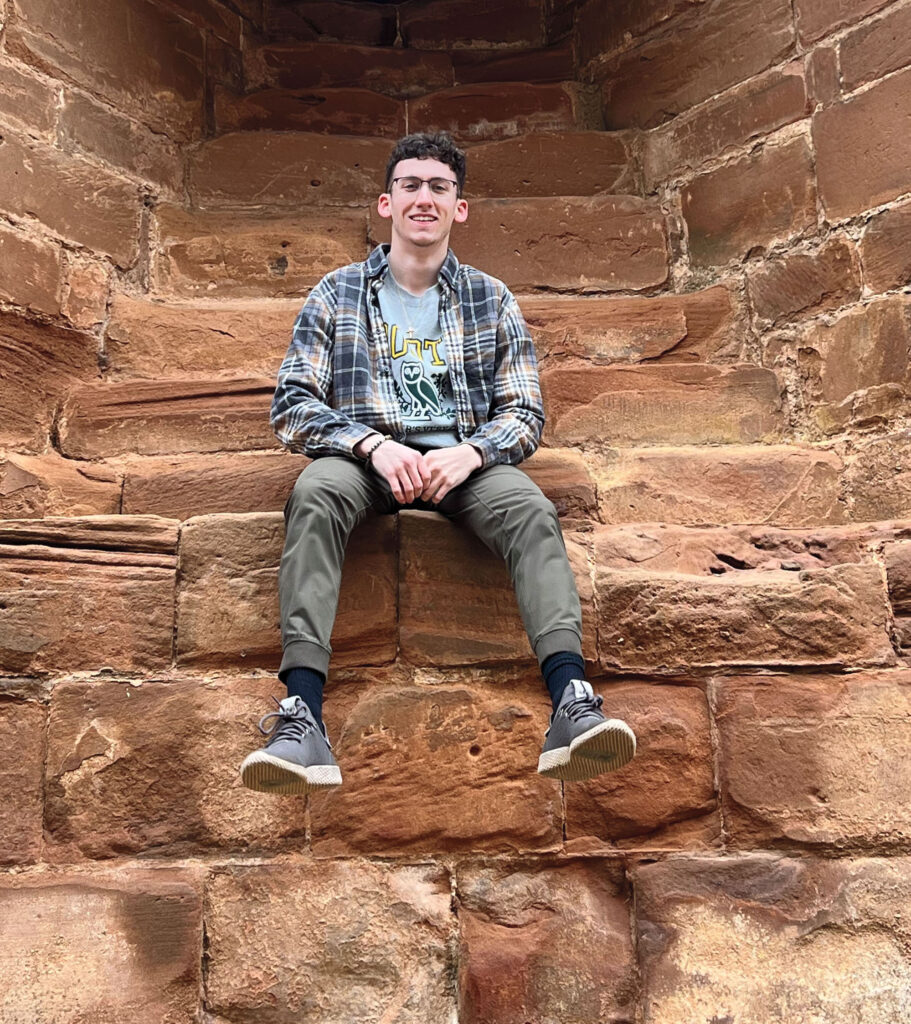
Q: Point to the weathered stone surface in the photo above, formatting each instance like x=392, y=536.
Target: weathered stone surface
x=878, y=478
x=604, y=26
x=46, y=485
x=29, y=271
x=712, y=47
x=695, y=327
x=286, y=169
x=553, y=64
x=871, y=127
x=818, y=18
x=750, y=203
x=801, y=760
x=803, y=283
x=876, y=48
x=457, y=24
x=392, y=71
x=342, y=111
x=759, y=484
x=27, y=99
x=823, y=79
x=524, y=926
x=563, y=476
x=89, y=127
x=500, y=110
x=372, y=943
x=551, y=164
x=163, y=417
x=772, y=940
x=39, y=362
x=75, y=199
x=457, y=605
x=124, y=535
x=670, y=403
x=94, y=948
x=95, y=45
x=112, y=787
x=728, y=121
x=824, y=617
x=328, y=20
x=886, y=249
x=897, y=559
x=227, y=606
x=148, y=339
x=68, y=603
x=88, y=286
x=22, y=730
x=214, y=15
x=468, y=781
x=225, y=254
x=668, y=784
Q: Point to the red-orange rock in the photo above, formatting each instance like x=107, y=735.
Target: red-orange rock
x=328, y=20
x=97, y=947
x=749, y=203
x=453, y=765
x=26, y=98
x=563, y=476
x=524, y=926
x=46, y=485
x=823, y=82
x=29, y=271
x=818, y=18
x=604, y=26
x=886, y=249
x=215, y=16
x=801, y=760
x=552, y=64
x=88, y=287
x=22, y=732
x=878, y=478
x=876, y=49
x=456, y=24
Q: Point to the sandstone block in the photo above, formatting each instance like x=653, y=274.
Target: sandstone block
x=826, y=617
x=823, y=77
x=456, y=602
x=817, y=18
x=672, y=403
x=750, y=203
x=876, y=49
x=468, y=779
x=870, y=128
x=227, y=605
x=732, y=119
x=484, y=112
x=523, y=926
x=897, y=558
x=339, y=111
x=757, y=484
x=668, y=785
x=22, y=730
x=71, y=603
x=286, y=169
x=802, y=760
x=26, y=98
x=551, y=164
x=214, y=16
x=75, y=199
x=29, y=271
x=886, y=249
x=112, y=787
x=92, y=948
x=604, y=26
x=88, y=286
x=460, y=24
x=878, y=478
x=152, y=339
x=32, y=487
x=94, y=45
x=165, y=417
x=39, y=362
x=552, y=64
x=187, y=485
x=762, y=938
x=372, y=941
x=327, y=20
x=803, y=283
x=230, y=255
x=563, y=476
x=675, y=328
x=710, y=48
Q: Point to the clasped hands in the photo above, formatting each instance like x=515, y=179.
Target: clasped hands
x=429, y=476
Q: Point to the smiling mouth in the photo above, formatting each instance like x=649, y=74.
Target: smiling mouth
x=422, y=219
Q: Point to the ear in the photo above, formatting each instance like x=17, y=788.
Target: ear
x=461, y=211
x=384, y=205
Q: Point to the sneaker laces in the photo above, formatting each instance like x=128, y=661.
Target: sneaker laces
x=288, y=724
x=577, y=707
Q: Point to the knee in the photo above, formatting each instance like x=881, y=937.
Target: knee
x=323, y=489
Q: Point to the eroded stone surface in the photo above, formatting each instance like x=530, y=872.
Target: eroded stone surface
x=878, y=478
x=29, y=271
x=886, y=249
x=22, y=728
x=34, y=486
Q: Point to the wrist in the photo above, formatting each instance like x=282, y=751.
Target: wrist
x=373, y=443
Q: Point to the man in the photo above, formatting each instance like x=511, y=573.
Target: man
x=411, y=381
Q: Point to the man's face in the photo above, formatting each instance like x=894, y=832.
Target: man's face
x=422, y=218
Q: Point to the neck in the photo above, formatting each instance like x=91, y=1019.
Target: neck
x=416, y=271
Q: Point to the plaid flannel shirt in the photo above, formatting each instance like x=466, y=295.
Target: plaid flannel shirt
x=335, y=386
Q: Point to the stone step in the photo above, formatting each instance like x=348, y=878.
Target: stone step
x=285, y=169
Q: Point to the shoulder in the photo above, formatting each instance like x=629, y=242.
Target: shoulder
x=476, y=284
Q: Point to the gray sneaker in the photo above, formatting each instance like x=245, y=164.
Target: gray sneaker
x=298, y=756
x=581, y=742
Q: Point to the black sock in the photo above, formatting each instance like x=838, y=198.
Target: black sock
x=558, y=669
x=307, y=684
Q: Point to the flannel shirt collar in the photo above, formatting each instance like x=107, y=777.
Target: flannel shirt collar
x=378, y=265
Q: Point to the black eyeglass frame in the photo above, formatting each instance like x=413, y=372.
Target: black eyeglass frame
x=423, y=181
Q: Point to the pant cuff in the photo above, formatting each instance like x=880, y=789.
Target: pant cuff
x=555, y=641
x=304, y=654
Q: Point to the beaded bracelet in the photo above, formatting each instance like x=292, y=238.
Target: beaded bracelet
x=369, y=454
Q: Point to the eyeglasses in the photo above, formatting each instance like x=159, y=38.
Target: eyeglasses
x=438, y=186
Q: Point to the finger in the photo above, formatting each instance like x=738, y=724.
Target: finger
x=406, y=486
x=425, y=471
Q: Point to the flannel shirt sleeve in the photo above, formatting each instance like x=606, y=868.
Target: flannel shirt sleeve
x=301, y=417
x=516, y=418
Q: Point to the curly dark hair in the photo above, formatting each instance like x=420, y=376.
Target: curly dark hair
x=432, y=146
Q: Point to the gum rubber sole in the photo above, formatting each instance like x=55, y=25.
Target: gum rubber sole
x=604, y=748
x=267, y=774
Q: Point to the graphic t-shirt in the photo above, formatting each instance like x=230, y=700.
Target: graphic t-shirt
x=420, y=371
